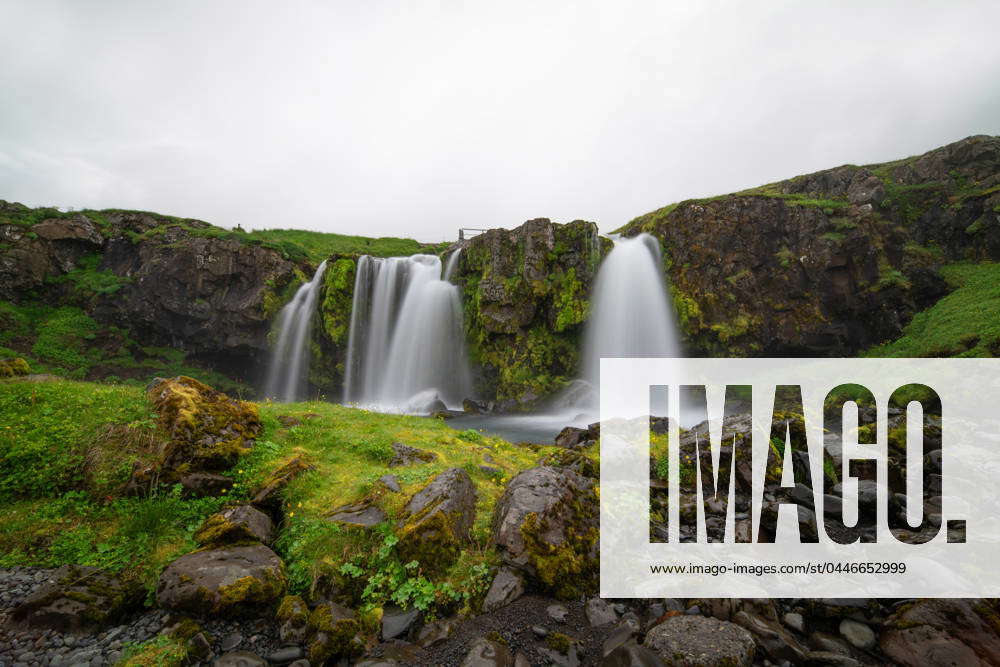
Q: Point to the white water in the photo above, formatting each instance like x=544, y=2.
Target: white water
x=406, y=348
x=289, y=369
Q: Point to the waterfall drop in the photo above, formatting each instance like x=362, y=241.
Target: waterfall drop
x=406, y=347
x=289, y=369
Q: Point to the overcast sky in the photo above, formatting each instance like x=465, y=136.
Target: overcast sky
x=415, y=118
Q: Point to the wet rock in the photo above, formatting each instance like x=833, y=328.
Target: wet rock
x=546, y=524
x=360, y=515
x=285, y=655
x=229, y=581
x=404, y=455
x=486, y=653
x=507, y=586
x=691, y=641
x=293, y=619
x=240, y=659
x=774, y=639
x=398, y=623
x=236, y=524
x=76, y=599
x=208, y=429
x=571, y=437
x=631, y=654
x=599, y=613
x=438, y=520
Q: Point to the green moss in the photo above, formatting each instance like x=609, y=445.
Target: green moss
x=247, y=594
x=13, y=367
x=568, y=570
x=338, y=294
x=559, y=642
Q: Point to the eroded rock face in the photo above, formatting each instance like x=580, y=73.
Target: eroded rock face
x=439, y=519
x=228, y=581
x=546, y=524
x=526, y=298
x=693, y=641
x=78, y=599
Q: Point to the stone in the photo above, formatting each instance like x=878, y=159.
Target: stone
x=240, y=659
x=438, y=520
x=775, y=640
x=616, y=639
x=571, y=437
x=404, y=455
x=546, y=524
x=795, y=621
x=828, y=659
x=208, y=430
x=293, y=619
x=857, y=634
x=285, y=655
x=360, y=515
x=943, y=632
x=13, y=367
x=228, y=581
x=691, y=641
x=599, y=613
x=268, y=495
x=288, y=421
x=231, y=641
x=390, y=482
x=486, y=653
x=561, y=650
x=507, y=586
x=631, y=654
x=398, y=623
x=78, y=599
x=434, y=633
x=557, y=612
x=334, y=633
x=236, y=524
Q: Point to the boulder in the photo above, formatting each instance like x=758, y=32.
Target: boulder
x=334, y=633
x=572, y=437
x=362, y=514
x=438, y=520
x=293, y=619
x=239, y=659
x=486, y=653
x=631, y=654
x=693, y=641
x=398, y=622
x=208, y=430
x=404, y=455
x=507, y=586
x=78, y=599
x=228, y=581
x=13, y=367
x=546, y=524
x=599, y=612
x=195, y=485
x=236, y=524
x=943, y=632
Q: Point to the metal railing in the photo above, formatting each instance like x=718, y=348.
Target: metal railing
x=463, y=232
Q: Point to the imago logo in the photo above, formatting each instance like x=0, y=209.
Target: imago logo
x=777, y=477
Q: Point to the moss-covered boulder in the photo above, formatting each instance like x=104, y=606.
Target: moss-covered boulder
x=944, y=632
x=546, y=524
x=242, y=523
x=78, y=599
x=334, y=633
x=438, y=520
x=267, y=496
x=13, y=367
x=207, y=428
x=293, y=619
x=241, y=580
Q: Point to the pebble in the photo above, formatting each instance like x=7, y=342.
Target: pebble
x=858, y=634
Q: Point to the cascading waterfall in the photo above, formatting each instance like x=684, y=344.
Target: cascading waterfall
x=406, y=348
x=286, y=378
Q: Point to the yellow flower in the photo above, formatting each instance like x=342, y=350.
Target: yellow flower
x=299, y=505
x=291, y=514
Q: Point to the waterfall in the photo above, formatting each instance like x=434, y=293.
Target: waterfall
x=449, y=268
x=286, y=378
x=631, y=315
x=406, y=347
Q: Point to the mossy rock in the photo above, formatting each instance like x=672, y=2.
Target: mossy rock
x=13, y=367
x=293, y=619
x=242, y=580
x=439, y=520
x=242, y=523
x=208, y=429
x=334, y=633
x=268, y=495
x=547, y=524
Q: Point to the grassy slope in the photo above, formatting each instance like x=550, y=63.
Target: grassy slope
x=320, y=245
x=55, y=513
x=965, y=323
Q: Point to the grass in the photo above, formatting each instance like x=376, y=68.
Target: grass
x=965, y=323
x=320, y=245
x=66, y=448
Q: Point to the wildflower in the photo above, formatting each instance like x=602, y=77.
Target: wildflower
x=291, y=514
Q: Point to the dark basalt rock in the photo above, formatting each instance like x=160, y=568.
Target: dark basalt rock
x=361, y=515
x=943, y=632
x=507, y=586
x=236, y=524
x=268, y=495
x=229, y=581
x=692, y=641
x=198, y=484
x=78, y=599
x=438, y=520
x=404, y=455
x=486, y=653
